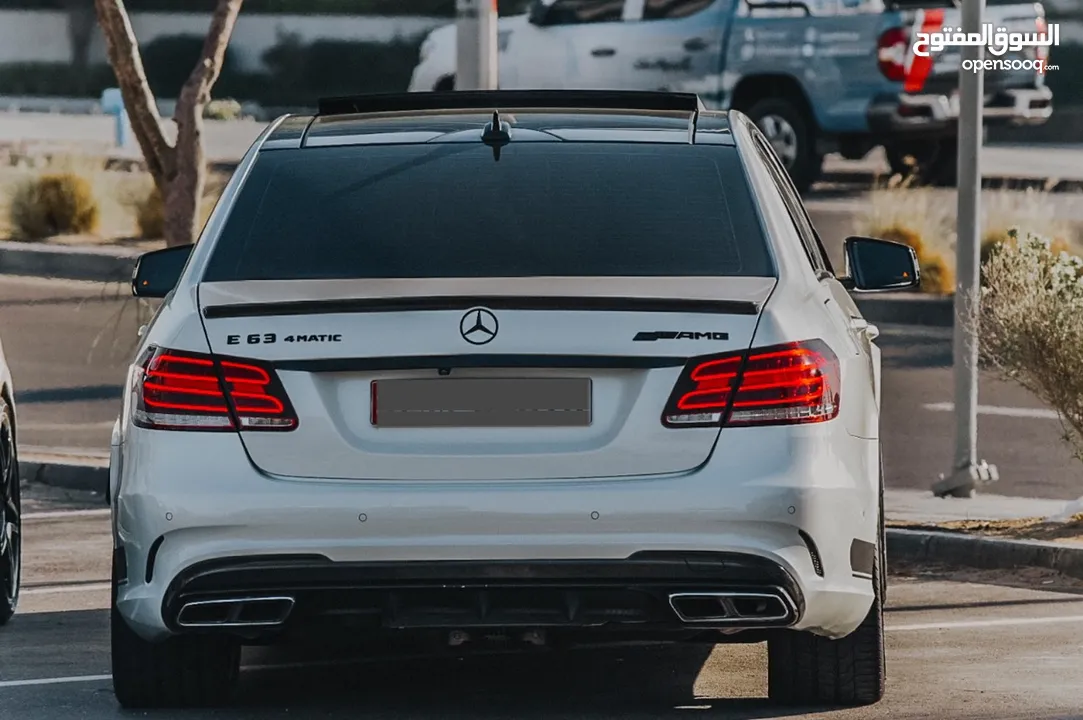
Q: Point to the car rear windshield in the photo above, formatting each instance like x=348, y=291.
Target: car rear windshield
x=453, y=210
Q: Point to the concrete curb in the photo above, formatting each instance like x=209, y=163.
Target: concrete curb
x=908, y=309
x=982, y=553
x=67, y=262
x=87, y=474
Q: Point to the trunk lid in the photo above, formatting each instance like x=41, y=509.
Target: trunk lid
x=566, y=377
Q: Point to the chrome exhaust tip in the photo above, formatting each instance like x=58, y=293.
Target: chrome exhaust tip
x=243, y=612
x=772, y=607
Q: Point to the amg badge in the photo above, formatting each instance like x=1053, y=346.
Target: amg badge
x=673, y=335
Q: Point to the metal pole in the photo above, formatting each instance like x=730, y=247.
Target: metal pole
x=476, y=38
x=967, y=472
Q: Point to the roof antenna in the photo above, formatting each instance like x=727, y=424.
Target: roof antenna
x=497, y=134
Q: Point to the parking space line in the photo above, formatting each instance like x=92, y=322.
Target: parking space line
x=54, y=681
x=1040, y=413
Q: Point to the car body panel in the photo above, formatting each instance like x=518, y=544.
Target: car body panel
x=184, y=498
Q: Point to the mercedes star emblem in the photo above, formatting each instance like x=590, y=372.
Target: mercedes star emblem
x=478, y=326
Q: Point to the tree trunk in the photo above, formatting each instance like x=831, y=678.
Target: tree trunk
x=179, y=170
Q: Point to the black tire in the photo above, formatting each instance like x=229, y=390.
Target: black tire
x=807, y=670
x=807, y=165
x=11, y=529
x=931, y=162
x=882, y=539
x=445, y=84
x=182, y=672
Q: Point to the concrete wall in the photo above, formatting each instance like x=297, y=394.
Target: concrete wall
x=40, y=36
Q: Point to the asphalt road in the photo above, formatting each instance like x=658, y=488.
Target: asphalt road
x=69, y=343
x=955, y=650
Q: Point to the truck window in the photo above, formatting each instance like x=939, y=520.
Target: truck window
x=673, y=9
x=578, y=12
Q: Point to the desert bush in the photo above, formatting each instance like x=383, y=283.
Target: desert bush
x=150, y=215
x=223, y=110
x=1030, y=325
x=53, y=204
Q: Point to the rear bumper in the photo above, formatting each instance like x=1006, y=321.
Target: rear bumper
x=661, y=593
x=195, y=521
x=939, y=114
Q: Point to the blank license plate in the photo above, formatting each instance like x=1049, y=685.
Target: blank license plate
x=481, y=402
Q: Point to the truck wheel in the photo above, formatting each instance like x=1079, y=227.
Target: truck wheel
x=188, y=671
x=807, y=670
x=932, y=162
x=445, y=84
x=790, y=130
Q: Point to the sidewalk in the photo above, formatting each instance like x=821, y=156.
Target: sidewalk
x=920, y=506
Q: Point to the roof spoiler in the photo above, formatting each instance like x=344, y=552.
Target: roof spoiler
x=489, y=100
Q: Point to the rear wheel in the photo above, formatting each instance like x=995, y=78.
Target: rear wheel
x=186, y=671
x=11, y=529
x=807, y=670
x=791, y=132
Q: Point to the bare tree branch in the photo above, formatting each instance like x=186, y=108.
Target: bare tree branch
x=124, y=56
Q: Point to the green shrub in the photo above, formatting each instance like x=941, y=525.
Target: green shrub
x=301, y=74
x=170, y=59
x=55, y=204
x=46, y=79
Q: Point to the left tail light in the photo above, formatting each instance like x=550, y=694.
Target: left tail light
x=789, y=384
x=194, y=391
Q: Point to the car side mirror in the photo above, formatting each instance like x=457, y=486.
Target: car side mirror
x=539, y=13
x=874, y=265
x=157, y=273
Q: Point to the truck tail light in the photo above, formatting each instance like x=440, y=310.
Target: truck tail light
x=891, y=52
x=779, y=385
x=179, y=390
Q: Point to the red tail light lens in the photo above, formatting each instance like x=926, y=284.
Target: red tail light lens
x=1043, y=27
x=191, y=391
x=891, y=52
x=780, y=385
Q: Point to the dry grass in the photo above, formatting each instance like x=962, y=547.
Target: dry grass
x=1021, y=529
x=926, y=219
x=120, y=194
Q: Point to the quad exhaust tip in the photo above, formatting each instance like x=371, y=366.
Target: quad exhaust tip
x=243, y=612
x=773, y=607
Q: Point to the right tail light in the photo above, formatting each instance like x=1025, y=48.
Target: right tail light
x=181, y=390
x=787, y=384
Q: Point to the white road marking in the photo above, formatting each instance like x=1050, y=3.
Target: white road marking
x=1000, y=622
x=57, y=589
x=54, y=681
x=63, y=514
x=1039, y=413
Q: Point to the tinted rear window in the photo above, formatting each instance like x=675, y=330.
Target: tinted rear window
x=450, y=210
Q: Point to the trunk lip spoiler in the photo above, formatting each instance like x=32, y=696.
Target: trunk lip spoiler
x=481, y=360
x=466, y=302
